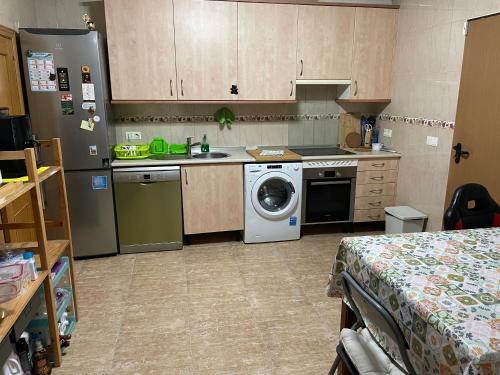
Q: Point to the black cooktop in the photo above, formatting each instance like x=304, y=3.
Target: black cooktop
x=319, y=151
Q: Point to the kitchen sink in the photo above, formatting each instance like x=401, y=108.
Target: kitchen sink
x=211, y=155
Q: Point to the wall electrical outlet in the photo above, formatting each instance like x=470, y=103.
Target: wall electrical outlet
x=133, y=136
x=388, y=133
x=432, y=141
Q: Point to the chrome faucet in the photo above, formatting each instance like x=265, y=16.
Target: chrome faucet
x=191, y=145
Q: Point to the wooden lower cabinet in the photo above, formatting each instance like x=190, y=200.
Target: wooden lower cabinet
x=212, y=197
x=375, y=188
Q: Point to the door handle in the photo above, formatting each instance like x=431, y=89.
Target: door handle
x=186, y=176
x=182, y=87
x=378, y=165
x=301, y=67
x=171, y=91
x=459, y=153
x=377, y=178
x=291, y=84
x=377, y=191
x=374, y=217
x=355, y=88
x=375, y=204
x=323, y=183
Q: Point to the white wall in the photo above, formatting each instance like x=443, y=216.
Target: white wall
x=17, y=13
x=428, y=63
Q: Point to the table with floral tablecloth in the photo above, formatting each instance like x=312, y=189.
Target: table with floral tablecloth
x=443, y=290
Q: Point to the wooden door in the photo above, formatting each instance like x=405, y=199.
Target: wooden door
x=374, y=44
x=206, y=47
x=267, y=51
x=325, y=42
x=141, y=49
x=477, y=126
x=212, y=197
x=11, y=94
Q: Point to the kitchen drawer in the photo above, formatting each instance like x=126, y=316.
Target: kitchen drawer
x=377, y=165
x=376, y=214
x=374, y=177
x=375, y=190
x=365, y=203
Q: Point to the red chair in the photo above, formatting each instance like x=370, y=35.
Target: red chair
x=472, y=207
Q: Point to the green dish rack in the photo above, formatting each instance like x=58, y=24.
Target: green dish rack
x=178, y=149
x=128, y=151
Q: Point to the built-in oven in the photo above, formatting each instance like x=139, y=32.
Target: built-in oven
x=328, y=191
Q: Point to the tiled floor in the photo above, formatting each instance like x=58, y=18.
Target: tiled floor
x=209, y=309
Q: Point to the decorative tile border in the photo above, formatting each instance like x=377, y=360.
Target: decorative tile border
x=245, y=118
x=417, y=121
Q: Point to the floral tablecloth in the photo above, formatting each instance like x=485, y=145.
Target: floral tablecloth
x=443, y=290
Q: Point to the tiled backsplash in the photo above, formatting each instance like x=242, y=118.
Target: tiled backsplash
x=312, y=120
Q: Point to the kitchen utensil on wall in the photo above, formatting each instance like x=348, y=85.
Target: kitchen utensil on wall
x=353, y=140
x=349, y=123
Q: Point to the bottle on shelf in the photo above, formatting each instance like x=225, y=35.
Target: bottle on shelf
x=41, y=365
x=23, y=352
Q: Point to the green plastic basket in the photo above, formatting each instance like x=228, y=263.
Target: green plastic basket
x=178, y=149
x=128, y=151
x=158, y=146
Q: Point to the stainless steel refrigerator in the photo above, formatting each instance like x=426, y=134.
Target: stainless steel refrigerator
x=67, y=87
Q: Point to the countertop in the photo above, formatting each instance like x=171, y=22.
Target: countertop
x=239, y=155
x=236, y=155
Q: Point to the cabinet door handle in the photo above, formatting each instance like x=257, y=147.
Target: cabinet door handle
x=374, y=217
x=379, y=165
x=375, y=204
x=377, y=178
x=186, y=176
x=182, y=87
x=355, y=88
x=171, y=91
x=301, y=67
x=376, y=191
x=291, y=92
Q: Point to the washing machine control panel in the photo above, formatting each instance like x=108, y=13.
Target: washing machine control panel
x=330, y=163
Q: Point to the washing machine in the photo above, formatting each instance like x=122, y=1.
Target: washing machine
x=272, y=202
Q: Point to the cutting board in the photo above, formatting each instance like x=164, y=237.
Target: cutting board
x=287, y=156
x=349, y=123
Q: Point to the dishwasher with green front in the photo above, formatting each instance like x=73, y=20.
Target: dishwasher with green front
x=148, y=208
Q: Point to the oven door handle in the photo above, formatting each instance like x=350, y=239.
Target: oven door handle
x=319, y=183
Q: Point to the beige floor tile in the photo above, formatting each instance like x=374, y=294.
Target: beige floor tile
x=217, y=309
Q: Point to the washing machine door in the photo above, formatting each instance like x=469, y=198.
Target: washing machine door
x=274, y=195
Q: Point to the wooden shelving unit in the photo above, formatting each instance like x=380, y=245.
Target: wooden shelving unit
x=47, y=252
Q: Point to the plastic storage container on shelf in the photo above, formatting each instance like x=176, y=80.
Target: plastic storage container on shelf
x=128, y=151
x=403, y=219
x=12, y=281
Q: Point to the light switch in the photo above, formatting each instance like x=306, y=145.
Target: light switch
x=388, y=133
x=432, y=141
x=133, y=136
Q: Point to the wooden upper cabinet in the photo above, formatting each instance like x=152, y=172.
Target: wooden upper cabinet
x=374, y=44
x=206, y=47
x=267, y=51
x=325, y=42
x=141, y=49
x=11, y=94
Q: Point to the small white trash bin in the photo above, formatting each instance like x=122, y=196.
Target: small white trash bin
x=403, y=219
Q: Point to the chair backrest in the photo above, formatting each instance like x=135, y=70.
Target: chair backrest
x=471, y=207
x=368, y=310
